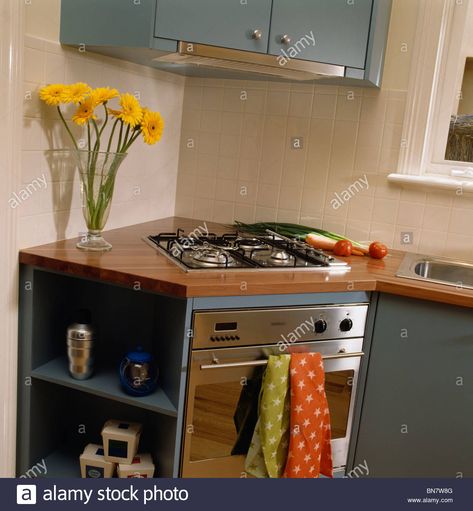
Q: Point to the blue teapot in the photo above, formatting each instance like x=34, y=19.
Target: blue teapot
x=138, y=373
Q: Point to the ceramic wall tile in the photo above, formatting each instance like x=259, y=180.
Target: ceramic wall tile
x=146, y=184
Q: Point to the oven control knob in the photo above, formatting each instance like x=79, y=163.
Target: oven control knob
x=320, y=326
x=346, y=325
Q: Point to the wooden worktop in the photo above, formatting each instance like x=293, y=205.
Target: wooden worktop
x=134, y=263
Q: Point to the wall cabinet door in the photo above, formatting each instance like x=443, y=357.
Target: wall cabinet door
x=107, y=22
x=417, y=413
x=340, y=30
x=227, y=23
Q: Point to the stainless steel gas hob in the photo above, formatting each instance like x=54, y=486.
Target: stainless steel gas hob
x=239, y=251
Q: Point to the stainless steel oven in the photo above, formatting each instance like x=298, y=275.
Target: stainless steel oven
x=229, y=353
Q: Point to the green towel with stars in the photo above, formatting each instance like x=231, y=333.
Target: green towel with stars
x=268, y=450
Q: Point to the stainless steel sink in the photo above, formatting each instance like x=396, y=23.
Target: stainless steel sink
x=439, y=270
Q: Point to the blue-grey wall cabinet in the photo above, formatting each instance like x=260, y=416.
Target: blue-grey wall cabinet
x=351, y=34
x=107, y=22
x=228, y=23
x=417, y=413
x=330, y=31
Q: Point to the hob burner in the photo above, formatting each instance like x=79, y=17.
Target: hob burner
x=280, y=255
x=248, y=244
x=211, y=256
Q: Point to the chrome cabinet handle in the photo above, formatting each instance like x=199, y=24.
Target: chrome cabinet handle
x=255, y=363
x=285, y=39
x=256, y=35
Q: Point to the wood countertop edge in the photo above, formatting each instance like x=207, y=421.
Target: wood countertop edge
x=124, y=278
x=394, y=285
x=191, y=290
x=277, y=289
x=135, y=265
x=429, y=292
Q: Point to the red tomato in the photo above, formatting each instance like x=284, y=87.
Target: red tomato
x=343, y=248
x=378, y=250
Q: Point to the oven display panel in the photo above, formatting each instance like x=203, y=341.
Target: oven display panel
x=225, y=327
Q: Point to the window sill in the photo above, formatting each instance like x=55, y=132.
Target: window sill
x=437, y=182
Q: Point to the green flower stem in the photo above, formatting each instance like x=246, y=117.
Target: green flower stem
x=97, y=136
x=135, y=135
x=127, y=133
x=90, y=172
x=111, y=135
x=120, y=137
x=109, y=145
x=67, y=128
x=88, y=137
x=106, y=119
x=97, y=144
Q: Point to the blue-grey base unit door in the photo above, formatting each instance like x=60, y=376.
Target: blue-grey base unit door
x=227, y=23
x=417, y=415
x=330, y=31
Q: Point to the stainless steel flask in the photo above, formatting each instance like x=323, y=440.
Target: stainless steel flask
x=81, y=337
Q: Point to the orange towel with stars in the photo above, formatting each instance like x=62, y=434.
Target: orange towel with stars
x=310, y=452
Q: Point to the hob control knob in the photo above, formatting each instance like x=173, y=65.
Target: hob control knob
x=346, y=325
x=320, y=326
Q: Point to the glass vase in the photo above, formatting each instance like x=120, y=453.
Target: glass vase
x=97, y=172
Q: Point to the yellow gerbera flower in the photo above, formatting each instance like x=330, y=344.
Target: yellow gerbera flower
x=52, y=94
x=103, y=94
x=85, y=112
x=76, y=92
x=152, y=127
x=131, y=112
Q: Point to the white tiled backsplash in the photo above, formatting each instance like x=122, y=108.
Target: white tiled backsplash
x=237, y=163
x=236, y=160
x=146, y=183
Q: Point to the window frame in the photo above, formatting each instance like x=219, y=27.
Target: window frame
x=442, y=44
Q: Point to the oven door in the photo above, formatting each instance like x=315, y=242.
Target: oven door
x=222, y=401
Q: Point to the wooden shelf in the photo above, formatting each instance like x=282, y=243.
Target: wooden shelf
x=104, y=383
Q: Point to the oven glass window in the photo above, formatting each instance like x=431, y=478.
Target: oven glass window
x=225, y=414
x=338, y=388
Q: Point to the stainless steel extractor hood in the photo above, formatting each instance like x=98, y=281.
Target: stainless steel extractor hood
x=214, y=57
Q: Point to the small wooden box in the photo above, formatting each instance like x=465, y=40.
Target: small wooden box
x=141, y=466
x=120, y=440
x=93, y=463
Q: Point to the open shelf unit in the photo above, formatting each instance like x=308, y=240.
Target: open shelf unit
x=58, y=415
x=104, y=383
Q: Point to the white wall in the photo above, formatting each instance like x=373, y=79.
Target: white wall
x=146, y=183
x=42, y=18
x=10, y=115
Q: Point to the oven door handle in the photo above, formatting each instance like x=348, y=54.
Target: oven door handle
x=255, y=363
